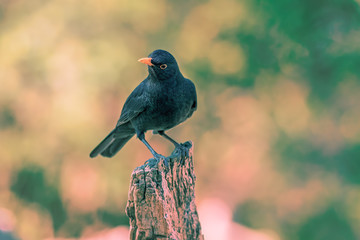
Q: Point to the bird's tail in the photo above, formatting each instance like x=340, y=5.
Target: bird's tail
x=115, y=146
x=111, y=144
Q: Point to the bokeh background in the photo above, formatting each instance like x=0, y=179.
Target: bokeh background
x=276, y=134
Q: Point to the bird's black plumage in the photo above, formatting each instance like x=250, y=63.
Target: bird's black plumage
x=160, y=102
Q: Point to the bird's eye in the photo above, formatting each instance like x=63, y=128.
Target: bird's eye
x=163, y=66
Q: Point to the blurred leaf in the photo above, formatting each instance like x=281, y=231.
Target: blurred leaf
x=30, y=185
x=252, y=214
x=328, y=225
x=7, y=118
x=113, y=218
x=7, y=236
x=75, y=225
x=348, y=164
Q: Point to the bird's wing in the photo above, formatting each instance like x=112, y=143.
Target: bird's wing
x=192, y=92
x=134, y=105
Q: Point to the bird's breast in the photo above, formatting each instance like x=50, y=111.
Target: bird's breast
x=167, y=107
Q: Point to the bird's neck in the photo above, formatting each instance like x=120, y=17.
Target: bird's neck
x=163, y=78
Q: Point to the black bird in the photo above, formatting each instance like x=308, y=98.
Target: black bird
x=160, y=102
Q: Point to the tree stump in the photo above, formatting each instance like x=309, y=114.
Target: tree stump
x=161, y=201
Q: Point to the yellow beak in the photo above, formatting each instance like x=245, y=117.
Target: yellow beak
x=147, y=61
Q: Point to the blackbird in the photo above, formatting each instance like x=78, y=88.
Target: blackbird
x=162, y=101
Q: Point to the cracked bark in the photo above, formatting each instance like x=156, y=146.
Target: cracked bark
x=161, y=201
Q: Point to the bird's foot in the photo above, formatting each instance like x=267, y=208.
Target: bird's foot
x=157, y=158
x=182, y=151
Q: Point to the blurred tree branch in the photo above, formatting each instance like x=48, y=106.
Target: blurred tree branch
x=161, y=202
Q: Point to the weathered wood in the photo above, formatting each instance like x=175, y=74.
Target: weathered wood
x=161, y=202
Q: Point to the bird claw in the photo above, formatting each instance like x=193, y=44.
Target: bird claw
x=151, y=162
x=182, y=151
x=157, y=158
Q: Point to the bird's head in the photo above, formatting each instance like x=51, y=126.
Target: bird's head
x=161, y=64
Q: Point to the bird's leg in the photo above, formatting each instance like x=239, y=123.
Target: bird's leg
x=184, y=152
x=157, y=156
x=162, y=133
